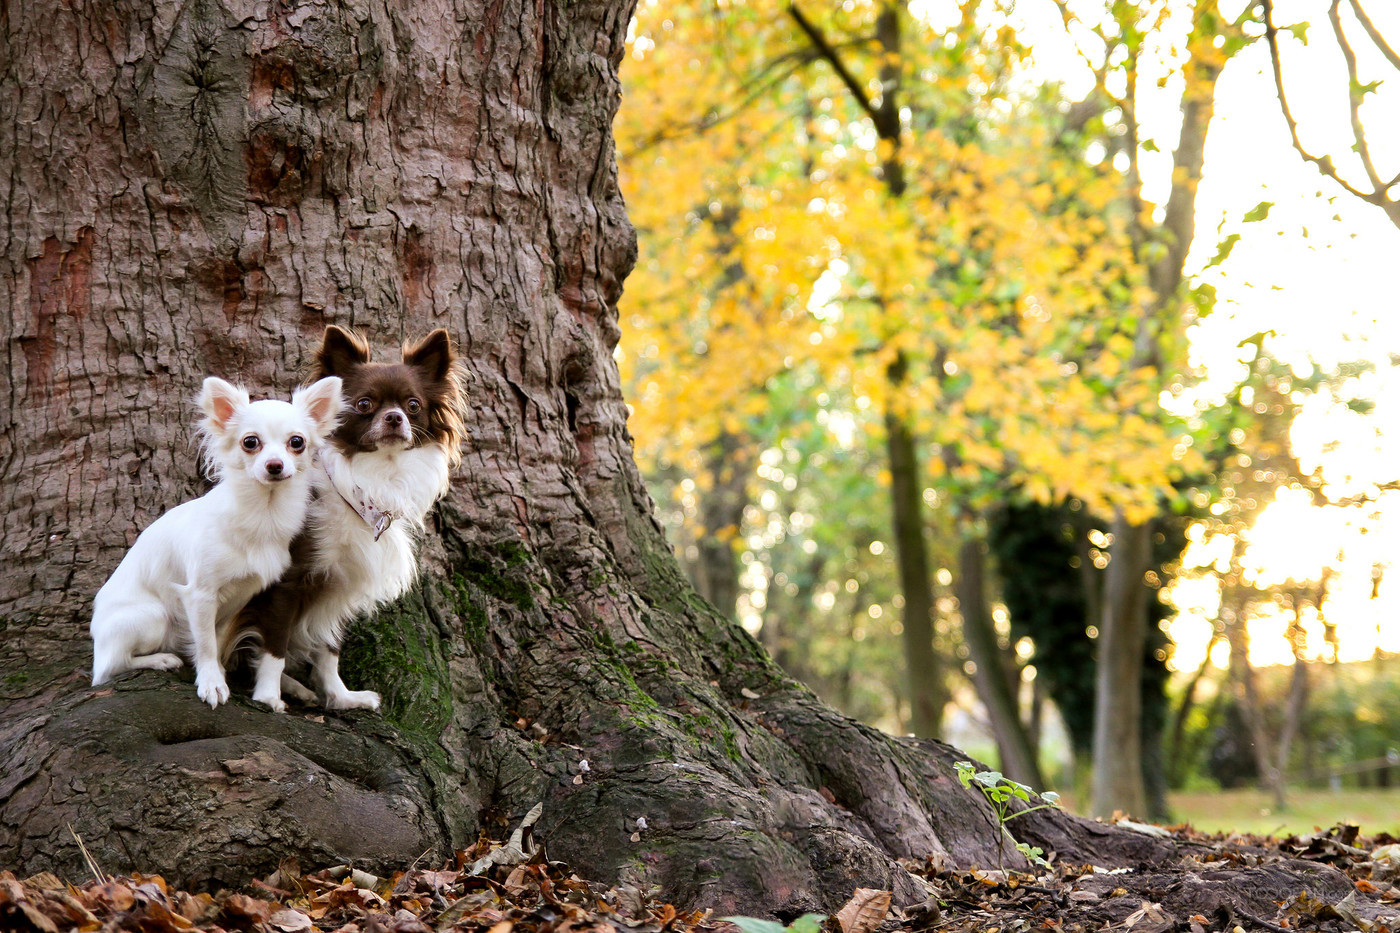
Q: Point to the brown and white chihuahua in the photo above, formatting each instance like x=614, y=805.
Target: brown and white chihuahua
x=382, y=469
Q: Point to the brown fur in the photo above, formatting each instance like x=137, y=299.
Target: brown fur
x=269, y=616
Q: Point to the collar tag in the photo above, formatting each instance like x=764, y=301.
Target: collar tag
x=376, y=518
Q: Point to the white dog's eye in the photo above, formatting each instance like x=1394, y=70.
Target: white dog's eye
x=251, y=443
x=296, y=442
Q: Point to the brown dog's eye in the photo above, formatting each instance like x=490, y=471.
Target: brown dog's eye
x=251, y=443
x=363, y=406
x=414, y=406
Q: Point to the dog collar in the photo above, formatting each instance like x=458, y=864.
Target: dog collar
x=376, y=518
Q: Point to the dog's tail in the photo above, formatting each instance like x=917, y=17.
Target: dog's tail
x=242, y=631
x=270, y=618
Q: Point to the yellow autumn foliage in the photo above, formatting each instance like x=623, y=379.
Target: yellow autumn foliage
x=1001, y=275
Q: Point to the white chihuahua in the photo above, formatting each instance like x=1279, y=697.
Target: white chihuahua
x=198, y=564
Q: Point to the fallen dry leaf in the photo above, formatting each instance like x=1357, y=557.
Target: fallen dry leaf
x=194, y=907
x=289, y=920
x=45, y=881
x=865, y=911
x=246, y=910
x=515, y=881
x=113, y=896
x=1149, y=918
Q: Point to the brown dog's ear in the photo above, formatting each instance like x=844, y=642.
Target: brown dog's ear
x=341, y=353
x=432, y=356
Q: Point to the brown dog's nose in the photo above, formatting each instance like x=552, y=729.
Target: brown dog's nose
x=393, y=418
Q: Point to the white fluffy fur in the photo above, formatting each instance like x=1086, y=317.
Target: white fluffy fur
x=199, y=563
x=362, y=573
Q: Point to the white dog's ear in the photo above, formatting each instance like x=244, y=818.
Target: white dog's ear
x=322, y=401
x=219, y=400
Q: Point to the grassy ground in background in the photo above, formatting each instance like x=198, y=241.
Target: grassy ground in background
x=1252, y=811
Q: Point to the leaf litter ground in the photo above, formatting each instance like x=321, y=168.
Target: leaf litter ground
x=1330, y=881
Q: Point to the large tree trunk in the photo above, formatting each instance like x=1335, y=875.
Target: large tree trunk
x=1119, y=742
x=199, y=188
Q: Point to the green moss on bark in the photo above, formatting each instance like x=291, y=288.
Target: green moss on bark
x=470, y=609
x=401, y=654
x=504, y=571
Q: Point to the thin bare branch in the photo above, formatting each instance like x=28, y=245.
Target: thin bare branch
x=796, y=61
x=1377, y=39
x=1354, y=96
x=1323, y=162
x=828, y=52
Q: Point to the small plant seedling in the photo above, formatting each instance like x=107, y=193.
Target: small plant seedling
x=807, y=923
x=1001, y=792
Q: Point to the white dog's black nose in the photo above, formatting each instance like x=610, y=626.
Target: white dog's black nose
x=274, y=468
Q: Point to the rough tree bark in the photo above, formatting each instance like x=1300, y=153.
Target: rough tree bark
x=199, y=188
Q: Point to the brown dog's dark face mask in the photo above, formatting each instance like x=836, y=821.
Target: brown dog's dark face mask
x=391, y=404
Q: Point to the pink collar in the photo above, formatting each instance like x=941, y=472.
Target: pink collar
x=376, y=518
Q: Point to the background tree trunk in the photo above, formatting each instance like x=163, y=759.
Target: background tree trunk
x=728, y=467
x=199, y=188
x=923, y=669
x=1117, y=778
x=995, y=679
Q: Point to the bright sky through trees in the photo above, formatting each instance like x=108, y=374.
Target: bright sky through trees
x=1321, y=273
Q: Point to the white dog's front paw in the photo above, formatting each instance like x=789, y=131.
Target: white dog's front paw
x=164, y=661
x=212, y=689
x=353, y=699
